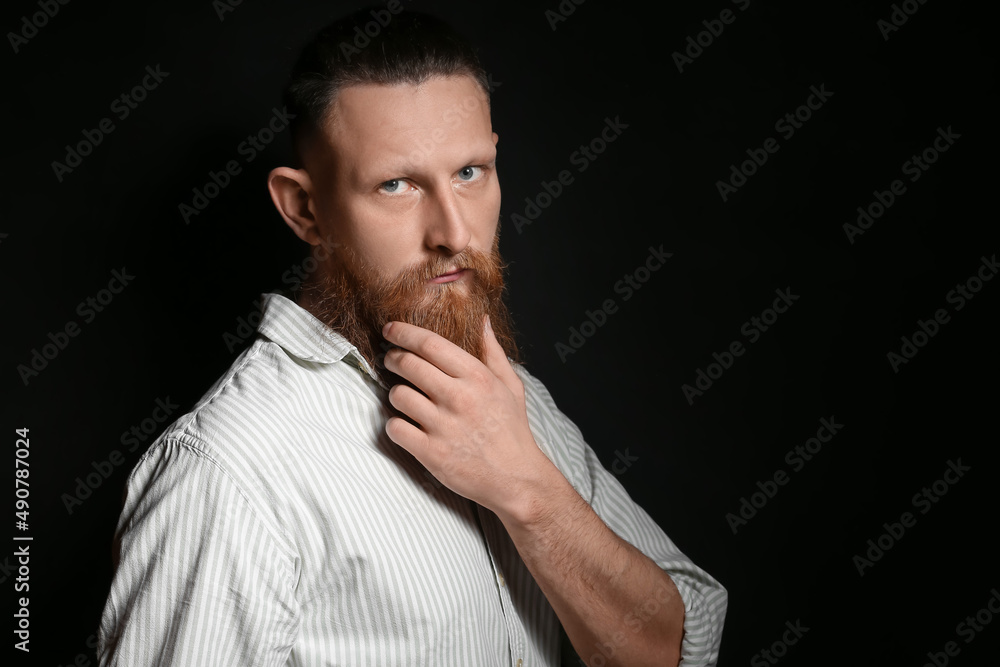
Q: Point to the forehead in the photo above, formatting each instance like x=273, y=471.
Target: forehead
x=441, y=118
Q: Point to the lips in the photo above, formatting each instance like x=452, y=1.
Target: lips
x=450, y=276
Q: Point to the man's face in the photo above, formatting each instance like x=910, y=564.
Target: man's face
x=406, y=186
x=409, y=175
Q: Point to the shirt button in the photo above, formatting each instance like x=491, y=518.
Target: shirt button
x=519, y=661
x=500, y=577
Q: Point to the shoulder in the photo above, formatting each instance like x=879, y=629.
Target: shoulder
x=238, y=409
x=253, y=432
x=267, y=398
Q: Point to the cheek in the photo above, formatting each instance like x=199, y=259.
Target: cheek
x=496, y=196
x=488, y=210
x=365, y=231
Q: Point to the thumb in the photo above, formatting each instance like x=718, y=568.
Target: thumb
x=496, y=358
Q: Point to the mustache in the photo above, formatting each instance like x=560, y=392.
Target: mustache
x=470, y=258
x=487, y=267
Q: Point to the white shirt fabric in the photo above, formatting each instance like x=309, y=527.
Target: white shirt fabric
x=276, y=524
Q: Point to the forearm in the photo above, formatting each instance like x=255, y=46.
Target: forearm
x=612, y=600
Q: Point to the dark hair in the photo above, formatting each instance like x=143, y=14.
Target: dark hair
x=372, y=46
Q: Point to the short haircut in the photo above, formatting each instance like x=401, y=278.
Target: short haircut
x=407, y=47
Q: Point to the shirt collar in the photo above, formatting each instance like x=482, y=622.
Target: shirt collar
x=300, y=334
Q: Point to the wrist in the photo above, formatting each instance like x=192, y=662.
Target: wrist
x=540, y=496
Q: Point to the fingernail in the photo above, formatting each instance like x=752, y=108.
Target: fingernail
x=386, y=328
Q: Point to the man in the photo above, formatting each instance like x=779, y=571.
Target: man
x=375, y=482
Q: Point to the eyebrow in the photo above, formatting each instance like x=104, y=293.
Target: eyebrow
x=402, y=165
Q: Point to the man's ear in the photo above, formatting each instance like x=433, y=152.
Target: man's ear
x=295, y=198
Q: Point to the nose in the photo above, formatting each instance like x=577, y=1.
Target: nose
x=446, y=230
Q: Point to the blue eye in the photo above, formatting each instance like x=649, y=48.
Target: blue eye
x=470, y=173
x=394, y=186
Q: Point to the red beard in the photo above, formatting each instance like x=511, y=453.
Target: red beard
x=356, y=302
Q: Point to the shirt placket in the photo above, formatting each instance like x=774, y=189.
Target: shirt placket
x=515, y=629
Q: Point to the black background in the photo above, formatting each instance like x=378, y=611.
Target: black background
x=656, y=184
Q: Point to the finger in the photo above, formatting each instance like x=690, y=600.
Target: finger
x=407, y=436
x=413, y=404
x=440, y=351
x=496, y=359
x=423, y=374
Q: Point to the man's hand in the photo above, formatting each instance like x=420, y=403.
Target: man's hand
x=473, y=435
x=473, y=432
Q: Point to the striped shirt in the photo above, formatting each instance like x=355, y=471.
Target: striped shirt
x=276, y=524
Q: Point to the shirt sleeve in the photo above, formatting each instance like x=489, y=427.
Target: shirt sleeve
x=199, y=579
x=704, y=598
